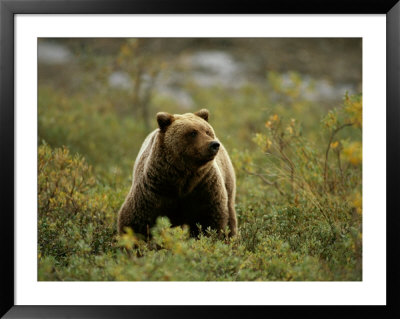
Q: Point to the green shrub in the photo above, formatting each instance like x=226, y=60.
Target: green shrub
x=75, y=219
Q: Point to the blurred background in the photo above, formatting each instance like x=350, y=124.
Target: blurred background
x=127, y=81
x=288, y=110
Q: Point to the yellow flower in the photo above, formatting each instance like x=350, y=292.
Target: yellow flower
x=274, y=118
x=353, y=153
x=334, y=144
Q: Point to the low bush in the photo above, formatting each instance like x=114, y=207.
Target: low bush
x=298, y=204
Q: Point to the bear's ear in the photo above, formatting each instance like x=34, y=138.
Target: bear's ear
x=164, y=120
x=203, y=113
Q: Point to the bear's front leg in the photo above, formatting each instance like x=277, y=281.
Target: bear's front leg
x=140, y=210
x=232, y=221
x=206, y=206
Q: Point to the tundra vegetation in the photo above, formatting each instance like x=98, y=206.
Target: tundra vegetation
x=298, y=164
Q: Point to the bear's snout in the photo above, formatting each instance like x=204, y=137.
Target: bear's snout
x=214, y=146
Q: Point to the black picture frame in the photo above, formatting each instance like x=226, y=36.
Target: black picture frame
x=8, y=10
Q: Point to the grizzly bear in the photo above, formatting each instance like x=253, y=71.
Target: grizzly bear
x=182, y=172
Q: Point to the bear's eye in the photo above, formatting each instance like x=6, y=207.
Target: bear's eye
x=209, y=133
x=193, y=133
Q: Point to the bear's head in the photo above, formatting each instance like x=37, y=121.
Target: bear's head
x=188, y=138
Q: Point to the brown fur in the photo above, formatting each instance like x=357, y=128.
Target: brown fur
x=177, y=175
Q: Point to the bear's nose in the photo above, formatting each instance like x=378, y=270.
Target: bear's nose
x=214, y=146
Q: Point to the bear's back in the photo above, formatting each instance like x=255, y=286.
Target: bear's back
x=144, y=151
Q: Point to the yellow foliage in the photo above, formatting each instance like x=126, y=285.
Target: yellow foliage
x=357, y=203
x=274, y=118
x=262, y=141
x=330, y=120
x=353, y=107
x=128, y=239
x=272, y=122
x=334, y=144
x=352, y=152
x=125, y=50
x=268, y=144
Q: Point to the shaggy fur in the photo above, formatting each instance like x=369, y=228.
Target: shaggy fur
x=180, y=173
